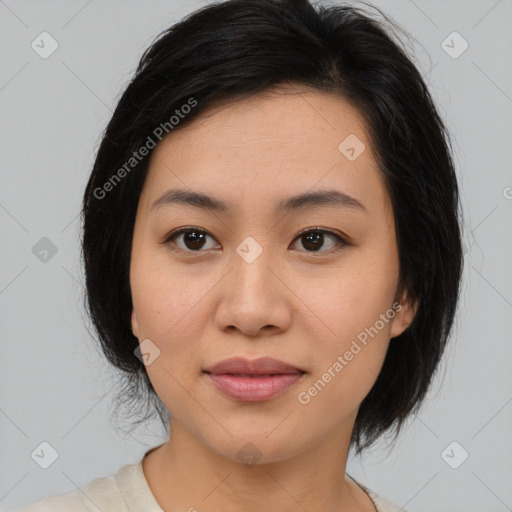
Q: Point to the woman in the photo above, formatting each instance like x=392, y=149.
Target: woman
x=272, y=248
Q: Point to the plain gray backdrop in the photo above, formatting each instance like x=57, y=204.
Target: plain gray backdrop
x=55, y=385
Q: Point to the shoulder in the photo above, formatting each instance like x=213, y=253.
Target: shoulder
x=99, y=495
x=127, y=490
x=381, y=504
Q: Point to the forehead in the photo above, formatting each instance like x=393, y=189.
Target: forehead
x=267, y=147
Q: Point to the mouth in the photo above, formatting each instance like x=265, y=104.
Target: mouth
x=253, y=381
x=253, y=375
x=260, y=366
x=254, y=388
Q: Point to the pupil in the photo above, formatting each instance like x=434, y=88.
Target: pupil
x=314, y=237
x=195, y=239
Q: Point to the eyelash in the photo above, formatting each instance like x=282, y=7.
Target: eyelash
x=340, y=241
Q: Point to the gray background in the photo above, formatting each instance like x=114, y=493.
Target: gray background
x=55, y=386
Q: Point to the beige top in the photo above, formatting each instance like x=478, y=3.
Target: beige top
x=129, y=491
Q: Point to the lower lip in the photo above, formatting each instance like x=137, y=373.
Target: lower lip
x=254, y=389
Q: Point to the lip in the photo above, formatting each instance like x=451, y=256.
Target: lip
x=260, y=366
x=253, y=380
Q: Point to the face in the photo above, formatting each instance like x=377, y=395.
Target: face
x=312, y=285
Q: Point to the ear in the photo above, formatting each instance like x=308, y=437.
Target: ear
x=135, y=324
x=405, y=313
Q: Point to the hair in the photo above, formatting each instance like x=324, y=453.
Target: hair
x=232, y=50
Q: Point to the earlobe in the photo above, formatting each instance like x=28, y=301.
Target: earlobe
x=404, y=316
x=135, y=324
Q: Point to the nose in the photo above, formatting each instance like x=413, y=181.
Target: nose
x=254, y=298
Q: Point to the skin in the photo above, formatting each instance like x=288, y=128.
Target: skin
x=292, y=303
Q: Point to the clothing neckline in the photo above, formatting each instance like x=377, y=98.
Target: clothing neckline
x=371, y=495
x=134, y=487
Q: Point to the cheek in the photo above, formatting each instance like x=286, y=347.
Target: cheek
x=346, y=365
x=352, y=323
x=351, y=297
x=172, y=315
x=168, y=301
x=335, y=395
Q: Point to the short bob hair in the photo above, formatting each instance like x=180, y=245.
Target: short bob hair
x=231, y=50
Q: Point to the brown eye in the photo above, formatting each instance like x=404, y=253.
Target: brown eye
x=315, y=239
x=192, y=239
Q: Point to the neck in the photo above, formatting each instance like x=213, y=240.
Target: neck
x=184, y=474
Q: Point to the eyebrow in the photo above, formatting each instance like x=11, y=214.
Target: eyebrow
x=298, y=202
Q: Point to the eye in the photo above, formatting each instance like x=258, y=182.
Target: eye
x=314, y=239
x=193, y=239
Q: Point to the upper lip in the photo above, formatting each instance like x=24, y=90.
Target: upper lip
x=260, y=366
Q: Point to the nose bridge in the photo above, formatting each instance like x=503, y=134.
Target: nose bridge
x=251, y=262
x=253, y=297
